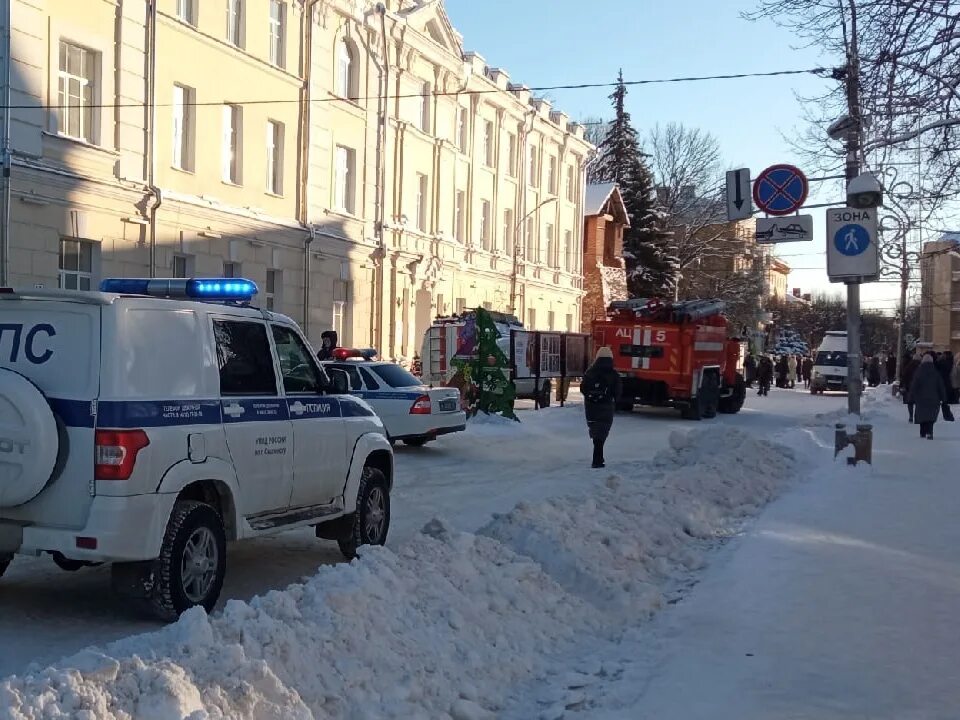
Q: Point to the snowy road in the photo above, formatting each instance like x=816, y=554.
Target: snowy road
x=839, y=603
x=46, y=613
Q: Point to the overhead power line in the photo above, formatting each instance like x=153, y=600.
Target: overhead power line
x=450, y=93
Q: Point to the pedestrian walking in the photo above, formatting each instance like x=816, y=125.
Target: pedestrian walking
x=764, y=375
x=782, y=371
x=882, y=360
x=601, y=388
x=955, y=378
x=928, y=394
x=906, y=380
x=873, y=371
x=945, y=366
x=891, y=367
x=792, y=371
x=806, y=370
x=750, y=370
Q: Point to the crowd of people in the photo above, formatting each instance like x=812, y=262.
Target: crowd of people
x=784, y=371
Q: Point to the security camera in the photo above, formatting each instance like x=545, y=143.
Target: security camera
x=840, y=127
x=864, y=191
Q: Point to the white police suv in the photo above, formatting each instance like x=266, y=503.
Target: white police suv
x=411, y=412
x=148, y=424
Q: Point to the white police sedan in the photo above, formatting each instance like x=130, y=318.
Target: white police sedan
x=411, y=412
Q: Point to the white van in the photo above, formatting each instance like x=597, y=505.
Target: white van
x=830, y=363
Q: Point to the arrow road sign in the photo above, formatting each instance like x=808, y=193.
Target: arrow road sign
x=739, y=205
x=796, y=228
x=852, y=253
x=780, y=190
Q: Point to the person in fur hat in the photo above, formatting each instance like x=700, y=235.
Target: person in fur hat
x=601, y=389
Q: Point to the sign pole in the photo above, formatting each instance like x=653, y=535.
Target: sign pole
x=854, y=364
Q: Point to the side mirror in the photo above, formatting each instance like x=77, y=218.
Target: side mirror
x=339, y=382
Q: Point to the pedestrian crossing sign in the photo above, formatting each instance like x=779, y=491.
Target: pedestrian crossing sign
x=852, y=245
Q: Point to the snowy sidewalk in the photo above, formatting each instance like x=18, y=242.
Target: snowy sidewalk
x=840, y=603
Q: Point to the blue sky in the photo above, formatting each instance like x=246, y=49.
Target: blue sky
x=556, y=42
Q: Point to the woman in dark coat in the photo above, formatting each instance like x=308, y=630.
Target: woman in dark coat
x=910, y=366
x=806, y=371
x=891, y=367
x=764, y=375
x=601, y=388
x=945, y=366
x=873, y=371
x=927, y=393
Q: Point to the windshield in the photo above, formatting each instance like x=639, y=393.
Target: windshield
x=395, y=376
x=833, y=358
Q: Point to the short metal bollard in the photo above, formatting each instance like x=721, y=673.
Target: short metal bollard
x=862, y=441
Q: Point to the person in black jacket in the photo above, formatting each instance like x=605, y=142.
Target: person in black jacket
x=764, y=375
x=601, y=388
x=928, y=394
x=329, y=340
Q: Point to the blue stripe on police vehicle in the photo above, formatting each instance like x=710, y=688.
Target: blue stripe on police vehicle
x=261, y=409
x=163, y=413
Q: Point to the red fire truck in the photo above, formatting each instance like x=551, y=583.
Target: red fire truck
x=674, y=353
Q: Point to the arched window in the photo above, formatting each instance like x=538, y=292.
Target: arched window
x=348, y=72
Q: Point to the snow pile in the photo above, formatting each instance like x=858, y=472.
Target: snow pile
x=443, y=627
x=623, y=545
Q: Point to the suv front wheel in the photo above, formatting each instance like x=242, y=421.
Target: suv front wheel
x=371, y=521
x=192, y=562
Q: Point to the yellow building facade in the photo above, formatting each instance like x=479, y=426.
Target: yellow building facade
x=348, y=156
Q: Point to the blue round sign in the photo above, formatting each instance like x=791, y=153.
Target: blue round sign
x=780, y=190
x=851, y=240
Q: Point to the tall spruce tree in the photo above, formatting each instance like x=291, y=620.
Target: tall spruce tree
x=650, y=270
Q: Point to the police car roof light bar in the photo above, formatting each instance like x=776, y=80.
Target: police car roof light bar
x=222, y=289
x=348, y=353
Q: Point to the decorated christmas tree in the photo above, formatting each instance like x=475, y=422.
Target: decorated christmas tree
x=485, y=370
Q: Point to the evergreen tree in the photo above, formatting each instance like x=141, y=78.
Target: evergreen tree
x=650, y=269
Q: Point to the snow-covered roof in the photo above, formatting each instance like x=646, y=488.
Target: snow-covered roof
x=950, y=236
x=597, y=196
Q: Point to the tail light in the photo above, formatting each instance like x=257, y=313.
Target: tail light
x=422, y=406
x=115, y=453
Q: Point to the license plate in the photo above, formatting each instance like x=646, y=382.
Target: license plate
x=448, y=405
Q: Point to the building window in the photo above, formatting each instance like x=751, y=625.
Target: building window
x=184, y=127
x=426, y=93
x=348, y=74
x=231, y=145
x=531, y=319
x=485, y=224
x=534, y=174
x=278, y=33
x=76, y=264
x=235, y=21
x=569, y=322
x=552, y=175
x=180, y=266
x=568, y=250
x=512, y=154
x=231, y=270
x=461, y=306
x=344, y=184
x=551, y=245
x=488, y=144
x=550, y=320
x=272, y=288
x=463, y=125
x=458, y=215
x=571, y=185
x=508, y=231
x=421, y=199
x=275, y=157
x=531, y=252
x=187, y=11
x=77, y=92
x=340, y=289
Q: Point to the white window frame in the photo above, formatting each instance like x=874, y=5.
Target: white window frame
x=348, y=76
x=423, y=190
x=552, y=164
x=272, y=286
x=426, y=95
x=232, y=269
x=231, y=148
x=509, y=230
x=533, y=167
x=568, y=250
x=512, y=154
x=532, y=249
x=485, y=225
x=275, y=143
x=278, y=33
x=571, y=183
x=82, y=277
x=345, y=186
x=187, y=11
x=488, y=143
x=184, y=127
x=463, y=128
x=187, y=263
x=341, y=291
x=86, y=97
x=549, y=234
x=236, y=29
x=531, y=319
x=459, y=214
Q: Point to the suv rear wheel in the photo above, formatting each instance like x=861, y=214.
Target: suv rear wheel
x=192, y=562
x=371, y=521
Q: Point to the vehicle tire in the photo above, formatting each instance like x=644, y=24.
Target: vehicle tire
x=371, y=521
x=734, y=403
x=710, y=391
x=194, y=536
x=5, y=561
x=416, y=442
x=694, y=411
x=543, y=397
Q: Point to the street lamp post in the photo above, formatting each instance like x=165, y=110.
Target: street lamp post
x=516, y=252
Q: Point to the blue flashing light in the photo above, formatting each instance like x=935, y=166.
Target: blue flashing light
x=222, y=289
